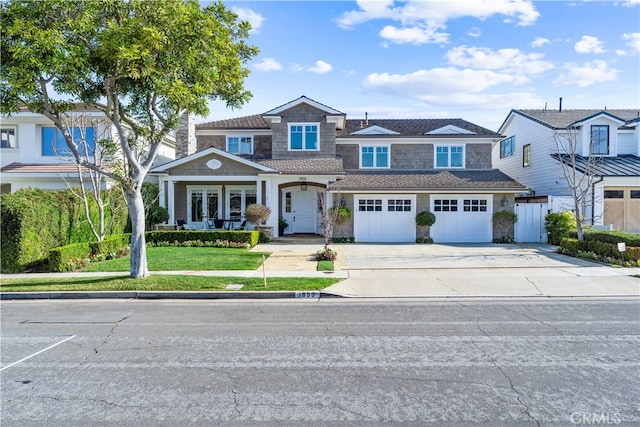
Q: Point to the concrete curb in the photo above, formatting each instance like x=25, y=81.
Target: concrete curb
x=151, y=295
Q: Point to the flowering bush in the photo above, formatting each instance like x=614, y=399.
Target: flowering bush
x=326, y=254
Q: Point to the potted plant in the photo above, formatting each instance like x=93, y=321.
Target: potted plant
x=282, y=225
x=425, y=219
x=257, y=214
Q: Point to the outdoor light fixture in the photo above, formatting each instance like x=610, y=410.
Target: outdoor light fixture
x=504, y=201
x=303, y=186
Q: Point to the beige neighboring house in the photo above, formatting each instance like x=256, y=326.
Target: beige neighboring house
x=34, y=154
x=384, y=171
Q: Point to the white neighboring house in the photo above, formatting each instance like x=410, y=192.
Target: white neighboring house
x=528, y=154
x=32, y=151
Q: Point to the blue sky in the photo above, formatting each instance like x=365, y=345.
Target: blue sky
x=471, y=59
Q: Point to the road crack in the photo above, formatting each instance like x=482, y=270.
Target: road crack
x=519, y=395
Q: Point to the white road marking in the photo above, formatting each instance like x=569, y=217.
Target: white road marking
x=37, y=353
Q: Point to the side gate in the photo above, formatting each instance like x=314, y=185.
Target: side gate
x=530, y=225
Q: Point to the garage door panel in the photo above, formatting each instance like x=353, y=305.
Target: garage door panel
x=462, y=218
x=384, y=218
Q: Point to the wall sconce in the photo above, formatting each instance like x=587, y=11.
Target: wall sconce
x=504, y=202
x=303, y=187
x=343, y=202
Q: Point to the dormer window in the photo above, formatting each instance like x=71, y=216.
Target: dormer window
x=240, y=144
x=600, y=139
x=304, y=136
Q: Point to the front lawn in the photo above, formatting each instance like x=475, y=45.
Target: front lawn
x=163, y=282
x=193, y=258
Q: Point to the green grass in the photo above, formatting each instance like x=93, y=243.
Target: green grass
x=181, y=258
x=163, y=282
x=325, y=265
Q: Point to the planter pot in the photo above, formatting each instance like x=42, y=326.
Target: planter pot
x=267, y=230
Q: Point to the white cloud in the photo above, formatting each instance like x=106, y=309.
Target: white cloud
x=245, y=14
x=474, y=32
x=507, y=60
x=589, y=74
x=321, y=67
x=439, y=81
x=423, y=21
x=589, y=44
x=633, y=40
x=539, y=42
x=267, y=64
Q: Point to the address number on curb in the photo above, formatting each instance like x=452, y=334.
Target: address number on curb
x=307, y=294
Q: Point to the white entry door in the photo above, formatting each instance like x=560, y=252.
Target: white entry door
x=300, y=210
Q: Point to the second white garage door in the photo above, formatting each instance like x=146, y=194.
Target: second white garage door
x=462, y=218
x=385, y=218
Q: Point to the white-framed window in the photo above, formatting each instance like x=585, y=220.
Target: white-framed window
x=445, y=205
x=238, y=198
x=474, y=205
x=203, y=201
x=374, y=157
x=370, y=205
x=304, y=136
x=54, y=144
x=600, y=139
x=526, y=156
x=449, y=156
x=8, y=137
x=399, y=205
x=508, y=147
x=240, y=144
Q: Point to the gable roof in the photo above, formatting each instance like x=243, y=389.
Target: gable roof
x=427, y=180
x=303, y=100
x=622, y=165
x=415, y=127
x=211, y=150
x=247, y=122
x=375, y=130
x=555, y=119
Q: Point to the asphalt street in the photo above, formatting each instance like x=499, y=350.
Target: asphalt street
x=337, y=362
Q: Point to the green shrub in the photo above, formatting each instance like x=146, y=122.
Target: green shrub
x=110, y=245
x=425, y=218
x=350, y=239
x=33, y=221
x=614, y=237
x=558, y=225
x=68, y=257
x=602, y=251
x=325, y=265
x=424, y=240
x=326, y=254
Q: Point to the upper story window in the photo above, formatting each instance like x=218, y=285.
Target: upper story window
x=54, y=144
x=600, y=139
x=304, y=136
x=374, y=157
x=8, y=137
x=507, y=147
x=449, y=156
x=240, y=144
x=526, y=155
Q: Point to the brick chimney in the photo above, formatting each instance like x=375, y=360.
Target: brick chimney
x=186, y=143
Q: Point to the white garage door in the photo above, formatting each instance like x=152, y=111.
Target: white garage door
x=385, y=218
x=462, y=218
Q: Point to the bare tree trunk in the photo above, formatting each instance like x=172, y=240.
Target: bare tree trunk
x=138, y=267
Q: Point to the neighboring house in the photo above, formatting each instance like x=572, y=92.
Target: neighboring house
x=384, y=171
x=34, y=153
x=529, y=154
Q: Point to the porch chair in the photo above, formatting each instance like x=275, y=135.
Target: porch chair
x=181, y=223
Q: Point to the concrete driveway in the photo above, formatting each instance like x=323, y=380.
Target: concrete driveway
x=453, y=256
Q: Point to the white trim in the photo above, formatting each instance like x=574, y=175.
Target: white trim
x=15, y=137
x=212, y=178
x=303, y=125
x=375, y=130
x=243, y=198
x=211, y=150
x=204, y=189
x=450, y=130
x=374, y=146
x=413, y=140
x=435, y=156
x=302, y=100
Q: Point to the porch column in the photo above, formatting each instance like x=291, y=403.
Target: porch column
x=171, y=201
x=259, y=191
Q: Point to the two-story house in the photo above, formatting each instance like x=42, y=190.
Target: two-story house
x=33, y=153
x=384, y=171
x=530, y=154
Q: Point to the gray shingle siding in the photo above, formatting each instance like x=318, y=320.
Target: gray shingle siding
x=303, y=114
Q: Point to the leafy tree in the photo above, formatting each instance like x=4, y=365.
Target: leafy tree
x=143, y=63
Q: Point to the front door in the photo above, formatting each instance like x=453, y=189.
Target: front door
x=300, y=210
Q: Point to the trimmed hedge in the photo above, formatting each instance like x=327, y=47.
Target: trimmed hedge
x=250, y=237
x=572, y=246
x=62, y=258
x=613, y=237
x=111, y=244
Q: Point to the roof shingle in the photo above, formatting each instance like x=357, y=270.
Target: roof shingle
x=305, y=166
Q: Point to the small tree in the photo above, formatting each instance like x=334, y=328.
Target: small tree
x=257, y=214
x=425, y=219
x=580, y=172
x=330, y=215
